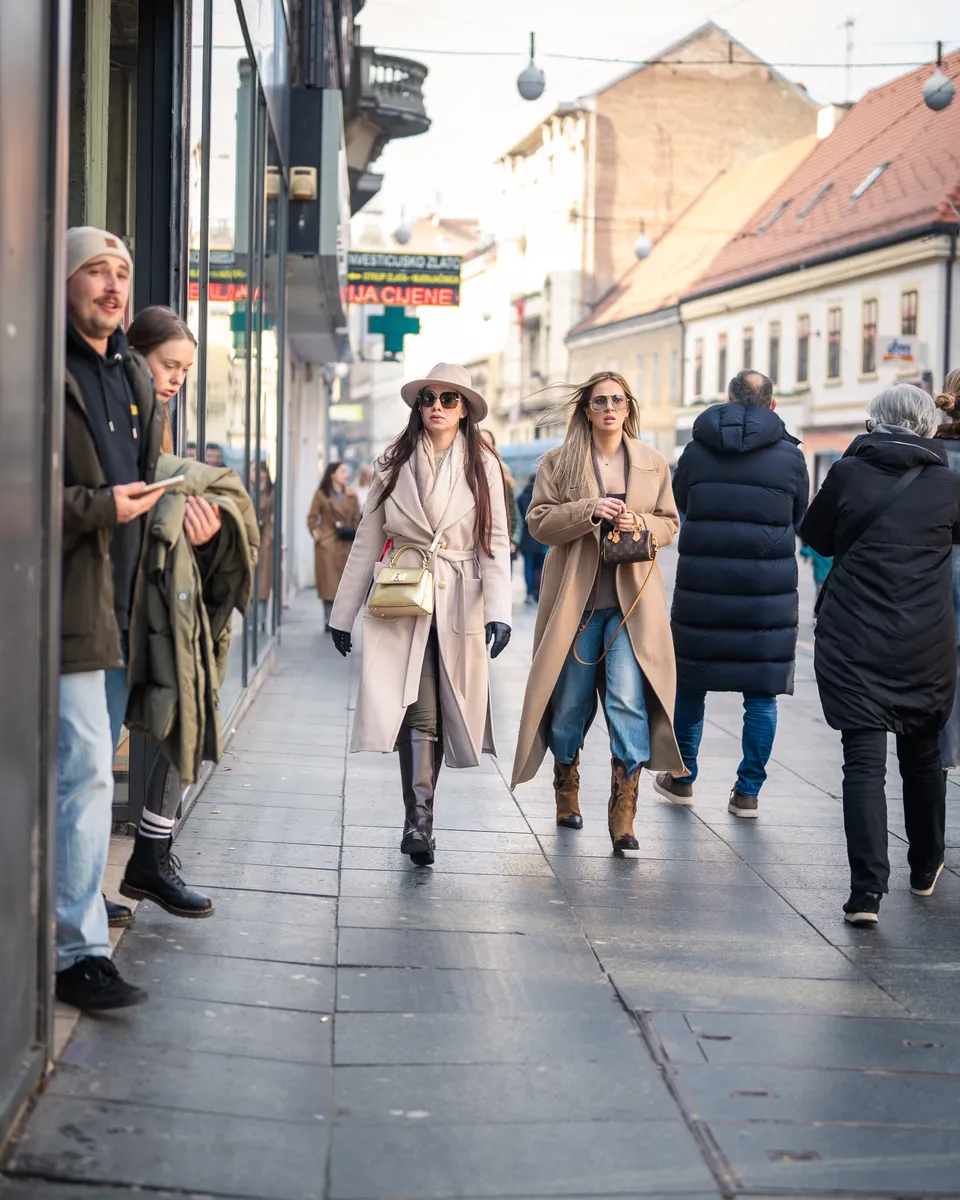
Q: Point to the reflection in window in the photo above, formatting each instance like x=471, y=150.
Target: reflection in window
x=698, y=368
x=748, y=348
x=803, y=348
x=774, y=353
x=868, y=352
x=721, y=363
x=834, y=333
x=225, y=429
x=908, y=314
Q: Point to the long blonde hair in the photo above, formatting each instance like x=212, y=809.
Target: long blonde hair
x=949, y=399
x=572, y=466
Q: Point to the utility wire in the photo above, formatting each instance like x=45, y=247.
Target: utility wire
x=654, y=62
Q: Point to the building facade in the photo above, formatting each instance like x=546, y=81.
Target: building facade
x=845, y=280
x=175, y=125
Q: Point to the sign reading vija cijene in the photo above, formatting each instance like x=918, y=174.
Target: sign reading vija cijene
x=403, y=279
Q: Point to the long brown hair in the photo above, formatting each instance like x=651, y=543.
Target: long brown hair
x=402, y=449
x=572, y=466
x=151, y=327
x=326, y=483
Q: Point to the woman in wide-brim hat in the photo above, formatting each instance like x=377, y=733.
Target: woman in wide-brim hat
x=424, y=686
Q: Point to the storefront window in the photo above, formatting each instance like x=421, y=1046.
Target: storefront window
x=269, y=385
x=226, y=427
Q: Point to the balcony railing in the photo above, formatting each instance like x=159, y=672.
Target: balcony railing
x=389, y=91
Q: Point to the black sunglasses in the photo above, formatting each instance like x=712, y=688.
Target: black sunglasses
x=447, y=399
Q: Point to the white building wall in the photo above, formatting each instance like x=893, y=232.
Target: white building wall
x=822, y=402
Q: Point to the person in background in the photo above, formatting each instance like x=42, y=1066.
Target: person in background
x=213, y=455
x=333, y=519
x=191, y=450
x=424, y=681
x=948, y=434
x=821, y=567
x=602, y=637
x=533, y=552
x=742, y=487
x=509, y=492
x=886, y=640
x=265, y=565
x=364, y=479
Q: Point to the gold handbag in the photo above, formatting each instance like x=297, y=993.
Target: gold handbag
x=403, y=591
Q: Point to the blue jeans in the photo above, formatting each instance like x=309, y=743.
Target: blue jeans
x=759, y=730
x=533, y=572
x=626, y=708
x=91, y=710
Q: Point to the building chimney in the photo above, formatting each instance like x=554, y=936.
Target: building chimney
x=829, y=117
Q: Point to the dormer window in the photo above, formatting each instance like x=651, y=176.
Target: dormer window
x=774, y=216
x=870, y=180
x=812, y=204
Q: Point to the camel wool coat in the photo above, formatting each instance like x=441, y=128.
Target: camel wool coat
x=565, y=524
x=470, y=590
x=330, y=553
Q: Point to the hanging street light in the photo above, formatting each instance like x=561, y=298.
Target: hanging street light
x=531, y=81
x=938, y=91
x=643, y=245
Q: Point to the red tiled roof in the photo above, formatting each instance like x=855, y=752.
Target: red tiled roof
x=919, y=187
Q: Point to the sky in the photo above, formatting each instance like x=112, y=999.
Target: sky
x=477, y=114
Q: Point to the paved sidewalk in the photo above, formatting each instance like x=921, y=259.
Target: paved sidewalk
x=533, y=1016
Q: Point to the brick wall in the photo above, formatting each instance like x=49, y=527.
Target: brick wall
x=665, y=132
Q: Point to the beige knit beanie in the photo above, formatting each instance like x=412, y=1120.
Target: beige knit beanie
x=85, y=243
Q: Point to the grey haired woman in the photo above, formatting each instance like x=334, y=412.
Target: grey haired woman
x=886, y=643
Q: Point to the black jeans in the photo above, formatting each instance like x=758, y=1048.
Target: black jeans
x=865, y=804
x=424, y=713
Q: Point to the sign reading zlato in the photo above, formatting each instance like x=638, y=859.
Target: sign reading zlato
x=403, y=279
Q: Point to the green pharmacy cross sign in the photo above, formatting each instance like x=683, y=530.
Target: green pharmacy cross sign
x=394, y=324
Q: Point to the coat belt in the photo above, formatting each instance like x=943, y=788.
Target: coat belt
x=457, y=558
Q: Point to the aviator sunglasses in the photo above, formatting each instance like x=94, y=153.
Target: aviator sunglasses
x=599, y=403
x=447, y=399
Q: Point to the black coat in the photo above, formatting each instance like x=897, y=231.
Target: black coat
x=885, y=639
x=742, y=487
x=529, y=547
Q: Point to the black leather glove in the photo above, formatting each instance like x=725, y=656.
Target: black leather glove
x=498, y=635
x=342, y=641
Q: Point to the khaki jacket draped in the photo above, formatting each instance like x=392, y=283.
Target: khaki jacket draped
x=330, y=553
x=470, y=590
x=565, y=524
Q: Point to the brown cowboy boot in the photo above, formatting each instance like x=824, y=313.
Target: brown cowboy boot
x=566, y=787
x=623, y=806
x=417, y=777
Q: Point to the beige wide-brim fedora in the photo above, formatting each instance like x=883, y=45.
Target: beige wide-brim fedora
x=447, y=375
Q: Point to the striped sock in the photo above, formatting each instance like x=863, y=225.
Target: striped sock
x=152, y=826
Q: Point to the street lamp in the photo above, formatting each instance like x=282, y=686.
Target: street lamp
x=938, y=91
x=643, y=245
x=531, y=81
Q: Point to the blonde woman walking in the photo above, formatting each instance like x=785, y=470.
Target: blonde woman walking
x=601, y=622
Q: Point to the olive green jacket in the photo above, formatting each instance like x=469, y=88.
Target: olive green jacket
x=182, y=607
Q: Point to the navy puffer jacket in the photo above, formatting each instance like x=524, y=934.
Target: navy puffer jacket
x=742, y=487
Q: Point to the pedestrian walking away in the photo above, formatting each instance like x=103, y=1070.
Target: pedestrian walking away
x=885, y=642
x=742, y=486
x=333, y=519
x=533, y=552
x=509, y=494
x=438, y=497
x=948, y=433
x=602, y=628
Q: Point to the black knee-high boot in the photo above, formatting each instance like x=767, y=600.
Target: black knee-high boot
x=418, y=772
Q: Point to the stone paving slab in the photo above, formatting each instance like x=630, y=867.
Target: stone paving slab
x=532, y=1017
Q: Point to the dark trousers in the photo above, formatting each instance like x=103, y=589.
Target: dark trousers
x=533, y=572
x=865, y=804
x=424, y=713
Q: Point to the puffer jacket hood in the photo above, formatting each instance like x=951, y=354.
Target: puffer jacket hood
x=739, y=428
x=896, y=452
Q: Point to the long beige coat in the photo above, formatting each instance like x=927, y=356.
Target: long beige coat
x=565, y=524
x=471, y=589
x=330, y=553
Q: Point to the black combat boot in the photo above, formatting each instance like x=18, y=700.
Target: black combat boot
x=153, y=874
x=118, y=915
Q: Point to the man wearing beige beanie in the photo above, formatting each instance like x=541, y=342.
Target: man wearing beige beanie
x=112, y=429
